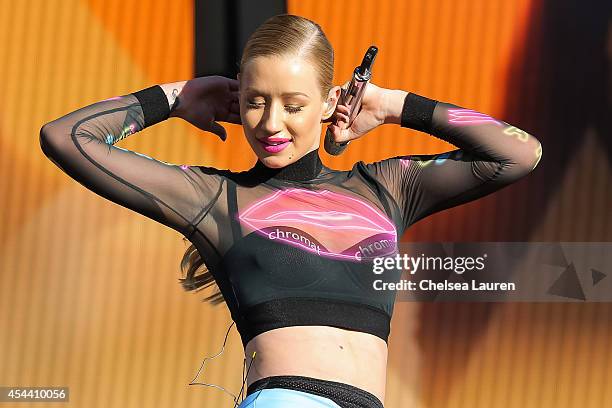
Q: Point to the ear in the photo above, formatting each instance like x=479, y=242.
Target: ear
x=329, y=105
x=238, y=78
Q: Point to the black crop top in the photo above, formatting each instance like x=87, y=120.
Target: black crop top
x=293, y=246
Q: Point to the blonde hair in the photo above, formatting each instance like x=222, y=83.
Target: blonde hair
x=281, y=35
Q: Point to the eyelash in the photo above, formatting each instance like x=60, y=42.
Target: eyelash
x=290, y=109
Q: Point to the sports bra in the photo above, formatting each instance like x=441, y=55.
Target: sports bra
x=293, y=246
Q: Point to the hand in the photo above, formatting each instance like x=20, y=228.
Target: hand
x=371, y=115
x=204, y=101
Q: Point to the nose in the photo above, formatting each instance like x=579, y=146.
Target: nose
x=272, y=119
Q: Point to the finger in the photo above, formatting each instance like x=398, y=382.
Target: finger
x=333, y=130
x=343, y=109
x=335, y=116
x=218, y=130
x=339, y=135
x=343, y=120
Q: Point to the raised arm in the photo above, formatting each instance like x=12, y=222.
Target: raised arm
x=82, y=144
x=491, y=154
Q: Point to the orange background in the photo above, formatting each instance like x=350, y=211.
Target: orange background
x=89, y=293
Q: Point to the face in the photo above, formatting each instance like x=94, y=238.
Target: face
x=282, y=109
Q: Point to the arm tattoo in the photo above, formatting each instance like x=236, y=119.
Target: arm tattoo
x=175, y=100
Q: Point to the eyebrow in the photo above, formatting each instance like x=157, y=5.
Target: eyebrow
x=283, y=94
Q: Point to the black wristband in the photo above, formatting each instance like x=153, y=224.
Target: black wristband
x=417, y=112
x=154, y=104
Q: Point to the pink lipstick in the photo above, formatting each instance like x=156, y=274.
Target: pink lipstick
x=274, y=145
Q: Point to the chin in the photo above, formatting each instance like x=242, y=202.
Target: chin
x=275, y=161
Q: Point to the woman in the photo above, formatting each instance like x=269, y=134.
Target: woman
x=290, y=242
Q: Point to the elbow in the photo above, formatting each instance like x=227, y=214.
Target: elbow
x=43, y=138
x=51, y=132
x=528, y=160
x=44, y=134
x=537, y=154
x=49, y=138
x=533, y=156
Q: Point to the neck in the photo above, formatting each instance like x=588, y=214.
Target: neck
x=306, y=167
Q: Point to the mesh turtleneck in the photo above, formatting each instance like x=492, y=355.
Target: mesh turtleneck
x=293, y=246
x=306, y=167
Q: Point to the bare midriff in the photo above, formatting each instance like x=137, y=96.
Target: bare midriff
x=328, y=353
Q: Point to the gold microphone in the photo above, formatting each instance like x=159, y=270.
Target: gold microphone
x=351, y=97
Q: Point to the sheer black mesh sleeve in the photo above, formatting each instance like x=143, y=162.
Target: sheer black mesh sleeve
x=492, y=154
x=82, y=144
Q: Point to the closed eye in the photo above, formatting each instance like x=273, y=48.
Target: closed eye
x=290, y=109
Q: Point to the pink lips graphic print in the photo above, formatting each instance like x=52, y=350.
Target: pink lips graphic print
x=323, y=222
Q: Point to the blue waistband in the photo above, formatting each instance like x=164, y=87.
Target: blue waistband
x=283, y=398
x=300, y=391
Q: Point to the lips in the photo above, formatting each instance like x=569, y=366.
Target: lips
x=274, y=145
x=274, y=140
x=324, y=222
